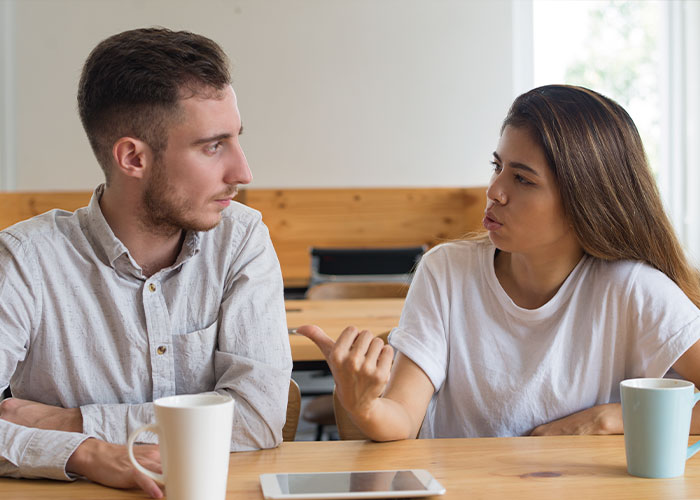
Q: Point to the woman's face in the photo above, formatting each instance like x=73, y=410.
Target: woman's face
x=524, y=213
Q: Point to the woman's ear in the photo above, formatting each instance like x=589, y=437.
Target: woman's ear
x=132, y=156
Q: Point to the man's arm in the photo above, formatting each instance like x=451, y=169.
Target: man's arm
x=24, y=451
x=35, y=453
x=253, y=361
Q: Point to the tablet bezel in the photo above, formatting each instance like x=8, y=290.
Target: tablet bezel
x=271, y=489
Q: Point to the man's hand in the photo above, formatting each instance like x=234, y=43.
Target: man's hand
x=41, y=416
x=109, y=464
x=601, y=419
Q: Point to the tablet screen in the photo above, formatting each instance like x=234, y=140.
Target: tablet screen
x=349, y=482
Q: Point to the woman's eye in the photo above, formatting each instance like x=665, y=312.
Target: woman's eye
x=521, y=179
x=495, y=166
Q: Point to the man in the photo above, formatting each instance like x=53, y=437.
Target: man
x=160, y=286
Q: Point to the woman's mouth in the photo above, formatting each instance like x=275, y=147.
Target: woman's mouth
x=490, y=223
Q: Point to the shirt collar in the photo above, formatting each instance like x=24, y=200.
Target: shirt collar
x=103, y=240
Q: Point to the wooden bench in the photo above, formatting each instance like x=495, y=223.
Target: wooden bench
x=301, y=218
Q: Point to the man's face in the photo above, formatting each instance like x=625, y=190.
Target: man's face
x=197, y=175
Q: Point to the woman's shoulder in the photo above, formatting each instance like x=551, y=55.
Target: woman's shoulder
x=636, y=278
x=460, y=252
x=461, y=248
x=628, y=270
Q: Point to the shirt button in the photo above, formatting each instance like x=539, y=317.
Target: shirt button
x=152, y=287
x=161, y=349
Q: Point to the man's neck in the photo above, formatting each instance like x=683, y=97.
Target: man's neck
x=152, y=249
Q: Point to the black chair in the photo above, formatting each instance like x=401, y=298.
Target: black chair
x=364, y=264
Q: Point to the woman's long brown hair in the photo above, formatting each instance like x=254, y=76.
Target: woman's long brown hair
x=606, y=186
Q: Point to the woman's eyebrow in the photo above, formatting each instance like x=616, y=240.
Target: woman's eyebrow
x=517, y=165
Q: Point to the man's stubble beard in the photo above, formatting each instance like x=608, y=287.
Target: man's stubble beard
x=164, y=213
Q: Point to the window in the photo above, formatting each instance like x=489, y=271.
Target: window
x=643, y=55
x=610, y=47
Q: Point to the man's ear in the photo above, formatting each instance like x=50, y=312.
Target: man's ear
x=132, y=157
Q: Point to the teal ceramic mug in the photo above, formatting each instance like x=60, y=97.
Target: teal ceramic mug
x=656, y=418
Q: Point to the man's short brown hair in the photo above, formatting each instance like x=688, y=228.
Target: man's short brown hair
x=131, y=84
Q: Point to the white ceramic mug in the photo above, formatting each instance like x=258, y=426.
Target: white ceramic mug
x=656, y=418
x=194, y=434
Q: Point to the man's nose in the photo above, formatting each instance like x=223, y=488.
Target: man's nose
x=238, y=171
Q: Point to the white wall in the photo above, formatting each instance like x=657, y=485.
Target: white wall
x=332, y=92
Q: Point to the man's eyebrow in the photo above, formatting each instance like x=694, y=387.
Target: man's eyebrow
x=213, y=138
x=517, y=165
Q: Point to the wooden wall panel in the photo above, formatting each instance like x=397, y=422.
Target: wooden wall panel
x=301, y=218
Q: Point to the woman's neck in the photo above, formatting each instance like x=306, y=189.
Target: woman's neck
x=532, y=280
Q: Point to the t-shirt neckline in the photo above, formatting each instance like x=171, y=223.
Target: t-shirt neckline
x=547, y=309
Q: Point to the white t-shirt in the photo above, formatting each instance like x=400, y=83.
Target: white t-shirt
x=501, y=370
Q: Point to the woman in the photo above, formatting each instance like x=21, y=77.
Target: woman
x=581, y=283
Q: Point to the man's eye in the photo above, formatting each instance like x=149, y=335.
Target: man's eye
x=213, y=148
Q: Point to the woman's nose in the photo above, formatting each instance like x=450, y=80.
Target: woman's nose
x=495, y=190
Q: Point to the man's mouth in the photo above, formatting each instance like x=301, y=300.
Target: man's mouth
x=227, y=197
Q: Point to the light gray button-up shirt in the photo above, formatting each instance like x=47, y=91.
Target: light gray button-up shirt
x=81, y=326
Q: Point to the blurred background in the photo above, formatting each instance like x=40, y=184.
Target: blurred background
x=369, y=93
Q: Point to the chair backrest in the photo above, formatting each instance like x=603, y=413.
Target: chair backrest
x=289, y=430
x=357, y=290
x=364, y=264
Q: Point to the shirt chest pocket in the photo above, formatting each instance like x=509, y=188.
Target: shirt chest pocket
x=194, y=360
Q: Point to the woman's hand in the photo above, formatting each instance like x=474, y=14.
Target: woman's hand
x=360, y=363
x=601, y=419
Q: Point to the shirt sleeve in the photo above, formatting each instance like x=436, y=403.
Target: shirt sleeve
x=664, y=323
x=252, y=360
x=36, y=453
x=24, y=452
x=422, y=331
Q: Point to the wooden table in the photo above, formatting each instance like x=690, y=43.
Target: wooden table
x=511, y=468
x=377, y=315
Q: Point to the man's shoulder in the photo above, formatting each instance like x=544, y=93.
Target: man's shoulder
x=43, y=226
x=238, y=220
x=238, y=223
x=237, y=213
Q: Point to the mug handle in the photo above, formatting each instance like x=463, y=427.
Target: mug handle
x=130, y=448
x=694, y=448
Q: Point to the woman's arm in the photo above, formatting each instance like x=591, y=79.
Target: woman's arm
x=387, y=403
x=600, y=419
x=688, y=367
x=607, y=419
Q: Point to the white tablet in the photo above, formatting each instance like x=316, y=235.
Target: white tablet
x=350, y=485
